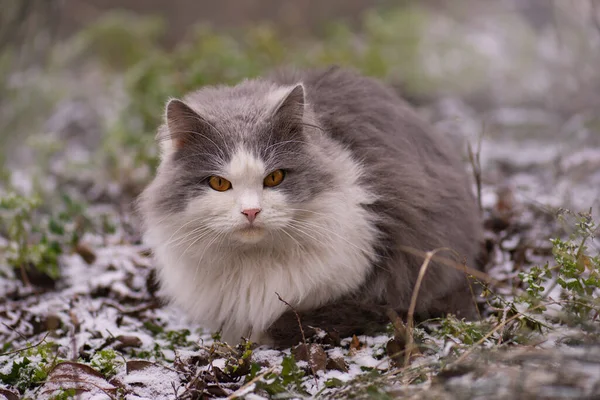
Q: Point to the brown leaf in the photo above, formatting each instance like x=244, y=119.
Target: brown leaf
x=128, y=341
x=355, y=345
x=313, y=354
x=331, y=338
x=395, y=349
x=8, y=394
x=73, y=375
x=337, y=364
x=86, y=253
x=137, y=365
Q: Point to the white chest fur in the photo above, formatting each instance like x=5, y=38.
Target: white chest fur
x=234, y=287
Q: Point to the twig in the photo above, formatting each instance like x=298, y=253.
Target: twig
x=310, y=364
x=59, y=381
x=490, y=333
x=24, y=275
x=241, y=390
x=450, y=263
x=413, y=302
x=26, y=348
x=14, y=330
x=475, y=159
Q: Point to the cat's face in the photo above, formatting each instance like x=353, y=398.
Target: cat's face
x=249, y=199
x=241, y=175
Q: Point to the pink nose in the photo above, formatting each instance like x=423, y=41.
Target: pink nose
x=251, y=213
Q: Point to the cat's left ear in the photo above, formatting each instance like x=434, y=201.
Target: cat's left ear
x=291, y=106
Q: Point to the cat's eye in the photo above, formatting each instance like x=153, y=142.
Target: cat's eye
x=219, y=184
x=274, y=178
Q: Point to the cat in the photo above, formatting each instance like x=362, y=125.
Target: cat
x=314, y=185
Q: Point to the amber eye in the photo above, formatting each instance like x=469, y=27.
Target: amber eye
x=219, y=184
x=274, y=178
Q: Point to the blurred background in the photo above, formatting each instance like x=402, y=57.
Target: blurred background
x=83, y=85
x=84, y=82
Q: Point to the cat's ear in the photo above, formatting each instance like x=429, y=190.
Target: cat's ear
x=288, y=115
x=183, y=124
x=291, y=105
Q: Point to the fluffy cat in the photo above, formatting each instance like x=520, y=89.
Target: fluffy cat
x=313, y=185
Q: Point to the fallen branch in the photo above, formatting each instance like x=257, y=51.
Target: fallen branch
x=310, y=364
x=241, y=390
x=26, y=348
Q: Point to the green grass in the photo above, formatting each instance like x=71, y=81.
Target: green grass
x=39, y=228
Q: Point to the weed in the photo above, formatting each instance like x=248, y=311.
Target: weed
x=35, y=238
x=106, y=362
x=32, y=369
x=288, y=381
x=64, y=394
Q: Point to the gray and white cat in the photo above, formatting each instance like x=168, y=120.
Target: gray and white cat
x=309, y=184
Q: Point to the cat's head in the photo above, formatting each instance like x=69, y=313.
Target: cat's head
x=237, y=162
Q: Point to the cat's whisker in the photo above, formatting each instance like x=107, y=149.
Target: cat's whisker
x=206, y=122
x=317, y=227
x=297, y=229
x=183, y=226
x=182, y=240
x=310, y=211
x=291, y=237
x=218, y=161
x=282, y=143
x=217, y=236
x=194, y=242
x=174, y=135
x=374, y=255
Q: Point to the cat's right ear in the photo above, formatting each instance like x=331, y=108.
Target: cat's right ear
x=183, y=126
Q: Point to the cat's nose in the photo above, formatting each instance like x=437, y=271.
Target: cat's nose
x=251, y=213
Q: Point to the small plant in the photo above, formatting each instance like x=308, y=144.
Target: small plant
x=574, y=269
x=466, y=332
x=36, y=238
x=105, y=361
x=240, y=363
x=31, y=370
x=288, y=380
x=178, y=338
x=64, y=394
x=23, y=250
x=578, y=271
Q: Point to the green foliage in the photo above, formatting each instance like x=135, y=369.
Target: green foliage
x=535, y=279
x=36, y=238
x=578, y=271
x=64, y=394
x=33, y=368
x=17, y=219
x=467, y=332
x=177, y=338
x=387, y=45
x=118, y=40
x=286, y=384
x=106, y=362
x=575, y=269
x=240, y=363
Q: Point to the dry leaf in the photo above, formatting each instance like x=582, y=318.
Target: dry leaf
x=4, y=393
x=338, y=364
x=355, y=345
x=128, y=341
x=86, y=253
x=82, y=378
x=313, y=354
x=137, y=365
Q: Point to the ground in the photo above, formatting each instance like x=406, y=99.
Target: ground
x=80, y=312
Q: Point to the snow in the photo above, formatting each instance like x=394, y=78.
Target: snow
x=544, y=161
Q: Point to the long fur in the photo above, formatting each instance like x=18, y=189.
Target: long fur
x=366, y=179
